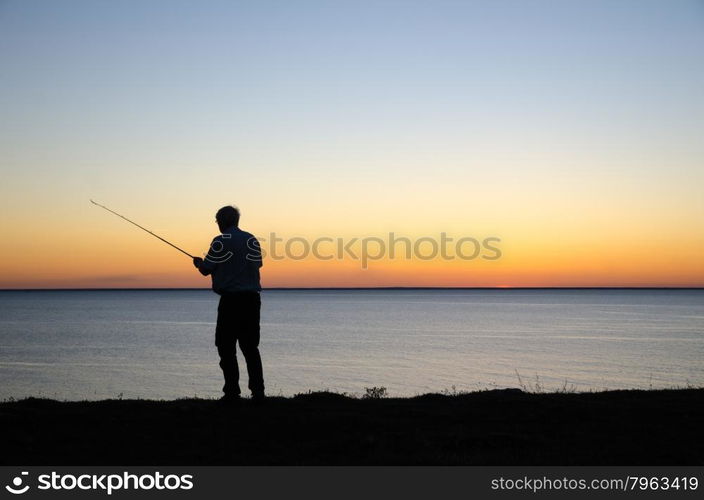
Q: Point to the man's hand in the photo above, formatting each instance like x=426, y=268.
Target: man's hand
x=197, y=261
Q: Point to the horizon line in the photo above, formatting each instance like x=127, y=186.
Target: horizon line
x=390, y=288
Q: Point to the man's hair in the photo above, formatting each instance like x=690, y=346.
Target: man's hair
x=228, y=216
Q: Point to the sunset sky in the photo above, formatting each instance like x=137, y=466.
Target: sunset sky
x=572, y=131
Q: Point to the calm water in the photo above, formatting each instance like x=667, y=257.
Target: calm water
x=159, y=344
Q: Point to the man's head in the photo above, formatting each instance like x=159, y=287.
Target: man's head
x=227, y=217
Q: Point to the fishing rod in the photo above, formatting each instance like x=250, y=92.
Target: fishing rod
x=142, y=228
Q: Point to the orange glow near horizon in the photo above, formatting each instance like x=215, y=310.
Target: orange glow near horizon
x=119, y=256
x=600, y=232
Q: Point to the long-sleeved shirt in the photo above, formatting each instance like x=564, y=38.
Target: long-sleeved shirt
x=233, y=262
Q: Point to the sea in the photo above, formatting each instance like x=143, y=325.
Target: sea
x=159, y=344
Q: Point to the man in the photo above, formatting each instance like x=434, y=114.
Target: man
x=233, y=262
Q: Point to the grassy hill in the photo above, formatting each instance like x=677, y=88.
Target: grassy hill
x=499, y=427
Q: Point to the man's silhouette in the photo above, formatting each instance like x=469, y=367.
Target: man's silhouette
x=233, y=262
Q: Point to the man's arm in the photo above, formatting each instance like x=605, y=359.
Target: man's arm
x=203, y=266
x=254, y=252
x=207, y=266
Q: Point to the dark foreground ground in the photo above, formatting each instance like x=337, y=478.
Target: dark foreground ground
x=493, y=427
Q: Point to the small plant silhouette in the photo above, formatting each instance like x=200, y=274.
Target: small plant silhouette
x=374, y=393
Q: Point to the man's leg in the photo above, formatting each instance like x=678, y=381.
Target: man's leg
x=249, y=343
x=225, y=340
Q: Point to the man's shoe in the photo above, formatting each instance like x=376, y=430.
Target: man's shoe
x=258, y=397
x=229, y=400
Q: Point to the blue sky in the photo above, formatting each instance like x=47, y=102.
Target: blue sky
x=256, y=80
